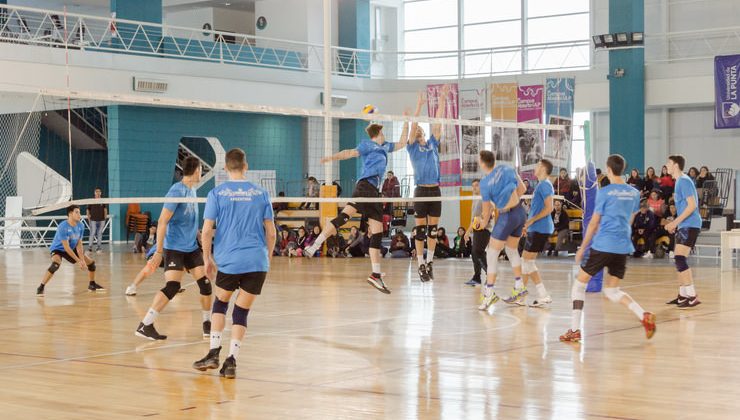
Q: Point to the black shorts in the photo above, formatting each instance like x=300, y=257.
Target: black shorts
x=249, y=282
x=536, y=242
x=66, y=256
x=161, y=263
x=427, y=208
x=373, y=211
x=179, y=261
x=597, y=260
x=687, y=236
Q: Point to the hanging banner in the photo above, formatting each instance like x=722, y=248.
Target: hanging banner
x=559, y=110
x=529, y=110
x=472, y=107
x=727, y=103
x=449, y=147
x=504, y=108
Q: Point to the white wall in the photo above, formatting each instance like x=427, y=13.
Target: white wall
x=238, y=21
x=93, y=8
x=190, y=18
x=286, y=19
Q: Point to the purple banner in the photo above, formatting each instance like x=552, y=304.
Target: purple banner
x=727, y=104
x=529, y=107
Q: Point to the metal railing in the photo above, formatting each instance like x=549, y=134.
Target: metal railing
x=692, y=45
x=38, y=231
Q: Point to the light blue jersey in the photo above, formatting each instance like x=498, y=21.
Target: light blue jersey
x=541, y=193
x=239, y=209
x=67, y=232
x=685, y=188
x=182, y=230
x=616, y=203
x=374, y=160
x=498, y=185
x=425, y=160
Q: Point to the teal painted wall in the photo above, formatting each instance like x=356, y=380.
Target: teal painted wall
x=139, y=10
x=627, y=94
x=142, y=147
x=354, y=32
x=351, y=132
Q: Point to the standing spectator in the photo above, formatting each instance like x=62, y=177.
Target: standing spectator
x=656, y=203
x=312, y=191
x=649, y=182
x=391, y=186
x=400, y=245
x=335, y=246
x=666, y=182
x=636, y=182
x=643, y=228
x=704, y=175
x=96, y=215
x=461, y=246
x=562, y=184
x=300, y=243
x=354, y=243
x=561, y=220
x=693, y=173
x=443, y=250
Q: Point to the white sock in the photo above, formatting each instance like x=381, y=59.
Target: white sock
x=430, y=256
x=376, y=267
x=682, y=291
x=420, y=258
x=690, y=291
x=518, y=283
x=637, y=309
x=206, y=315
x=541, y=291
x=151, y=315
x=575, y=321
x=234, y=348
x=215, y=339
x=320, y=240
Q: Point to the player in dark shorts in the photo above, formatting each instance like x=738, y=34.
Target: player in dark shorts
x=67, y=244
x=615, y=208
x=424, y=156
x=538, y=228
x=686, y=226
x=374, y=154
x=177, y=244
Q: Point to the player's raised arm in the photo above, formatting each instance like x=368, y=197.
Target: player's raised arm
x=343, y=155
x=415, y=126
x=441, y=107
x=404, y=139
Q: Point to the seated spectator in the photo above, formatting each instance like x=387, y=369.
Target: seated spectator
x=573, y=197
x=312, y=191
x=649, y=182
x=149, y=239
x=335, y=246
x=636, y=182
x=671, y=215
x=693, y=174
x=311, y=238
x=278, y=207
x=562, y=227
x=704, y=175
x=529, y=189
x=400, y=245
x=300, y=243
x=354, y=243
x=562, y=184
x=443, y=250
x=285, y=243
x=656, y=203
x=643, y=228
x=461, y=247
x=666, y=182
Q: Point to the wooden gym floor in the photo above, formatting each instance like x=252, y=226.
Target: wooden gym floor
x=323, y=344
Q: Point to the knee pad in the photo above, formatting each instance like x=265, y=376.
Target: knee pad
x=205, y=286
x=578, y=294
x=340, y=220
x=91, y=267
x=220, y=307
x=491, y=260
x=239, y=316
x=53, y=267
x=376, y=239
x=420, y=234
x=170, y=289
x=528, y=266
x=614, y=293
x=681, y=264
x=432, y=231
x=514, y=257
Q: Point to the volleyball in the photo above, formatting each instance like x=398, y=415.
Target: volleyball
x=369, y=109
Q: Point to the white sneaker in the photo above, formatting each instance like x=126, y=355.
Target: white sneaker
x=309, y=252
x=541, y=302
x=487, y=298
x=648, y=255
x=131, y=290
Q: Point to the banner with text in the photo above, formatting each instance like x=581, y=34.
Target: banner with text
x=529, y=110
x=504, y=108
x=449, y=147
x=727, y=104
x=472, y=107
x=559, y=94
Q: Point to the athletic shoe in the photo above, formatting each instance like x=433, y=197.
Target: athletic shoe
x=571, y=336
x=542, y=302
x=209, y=362
x=131, y=290
x=518, y=297
x=97, y=287
x=378, y=283
x=430, y=270
x=149, y=332
x=91, y=287
x=206, y=329
x=488, y=298
x=648, y=255
x=423, y=274
x=228, y=370
x=309, y=252
x=648, y=321
x=473, y=282
x=40, y=291
x=677, y=301
x=690, y=302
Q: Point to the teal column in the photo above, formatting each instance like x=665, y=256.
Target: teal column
x=140, y=11
x=354, y=32
x=627, y=94
x=351, y=132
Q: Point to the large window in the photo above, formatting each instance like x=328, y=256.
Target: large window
x=484, y=37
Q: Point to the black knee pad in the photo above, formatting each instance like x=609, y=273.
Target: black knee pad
x=170, y=289
x=376, y=239
x=340, y=220
x=220, y=307
x=205, y=286
x=53, y=267
x=681, y=264
x=91, y=267
x=239, y=316
x=432, y=231
x=420, y=234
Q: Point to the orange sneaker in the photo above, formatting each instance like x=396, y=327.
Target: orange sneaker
x=571, y=336
x=648, y=321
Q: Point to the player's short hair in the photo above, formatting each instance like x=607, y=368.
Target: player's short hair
x=72, y=208
x=236, y=159
x=678, y=160
x=190, y=165
x=547, y=164
x=373, y=130
x=487, y=157
x=616, y=163
x=98, y=189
